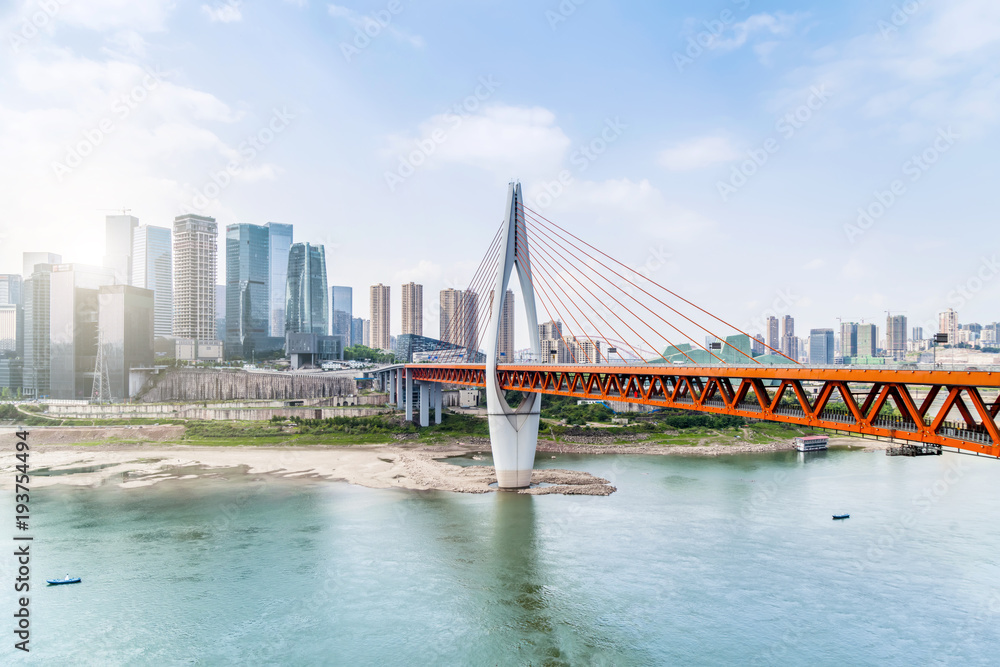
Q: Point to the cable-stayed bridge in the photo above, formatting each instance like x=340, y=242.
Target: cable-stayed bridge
x=602, y=318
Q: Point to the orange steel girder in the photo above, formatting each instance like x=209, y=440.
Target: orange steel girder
x=711, y=389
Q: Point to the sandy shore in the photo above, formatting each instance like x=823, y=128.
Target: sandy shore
x=115, y=457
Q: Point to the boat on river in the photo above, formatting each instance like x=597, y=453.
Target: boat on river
x=67, y=580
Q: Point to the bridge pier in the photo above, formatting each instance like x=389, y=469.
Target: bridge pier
x=400, y=389
x=438, y=400
x=425, y=400
x=513, y=432
x=408, y=396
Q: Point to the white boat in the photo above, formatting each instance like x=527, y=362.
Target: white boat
x=812, y=443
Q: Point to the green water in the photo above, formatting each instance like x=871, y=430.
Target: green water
x=730, y=560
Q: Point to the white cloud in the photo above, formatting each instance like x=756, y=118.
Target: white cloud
x=698, y=153
x=383, y=21
x=229, y=12
x=779, y=23
x=145, y=16
x=505, y=140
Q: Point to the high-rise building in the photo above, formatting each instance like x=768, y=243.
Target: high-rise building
x=11, y=285
x=279, y=244
x=848, y=339
x=379, y=303
x=553, y=346
x=152, y=269
x=773, y=338
x=195, y=270
x=459, y=318
x=342, y=313
x=867, y=340
x=126, y=322
x=366, y=334
x=248, y=288
x=413, y=309
x=895, y=335
x=220, y=308
x=358, y=331
x=586, y=350
x=306, y=298
x=35, y=377
x=789, y=343
x=11, y=330
x=918, y=333
x=821, y=346
x=757, y=345
x=32, y=259
x=74, y=304
x=505, y=340
x=948, y=324
x=118, y=232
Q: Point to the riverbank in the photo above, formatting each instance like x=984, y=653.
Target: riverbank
x=137, y=456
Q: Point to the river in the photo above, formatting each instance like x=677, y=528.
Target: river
x=727, y=560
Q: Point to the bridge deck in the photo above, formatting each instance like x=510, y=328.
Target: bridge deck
x=863, y=393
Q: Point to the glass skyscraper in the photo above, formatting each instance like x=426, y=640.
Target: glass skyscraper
x=152, y=269
x=73, y=320
x=306, y=298
x=341, y=313
x=118, y=233
x=248, y=286
x=280, y=241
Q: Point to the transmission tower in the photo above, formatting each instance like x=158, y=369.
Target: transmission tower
x=102, y=380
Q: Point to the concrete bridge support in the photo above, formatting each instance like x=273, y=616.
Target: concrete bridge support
x=513, y=432
x=426, y=389
x=408, y=395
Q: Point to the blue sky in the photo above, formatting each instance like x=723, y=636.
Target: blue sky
x=873, y=86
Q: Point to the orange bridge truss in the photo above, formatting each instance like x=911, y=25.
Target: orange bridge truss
x=849, y=399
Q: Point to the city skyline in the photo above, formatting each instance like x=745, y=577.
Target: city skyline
x=655, y=169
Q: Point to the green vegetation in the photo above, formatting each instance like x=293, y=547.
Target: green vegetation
x=362, y=353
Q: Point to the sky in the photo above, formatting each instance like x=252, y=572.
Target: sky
x=824, y=160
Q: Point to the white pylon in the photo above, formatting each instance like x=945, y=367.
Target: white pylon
x=513, y=432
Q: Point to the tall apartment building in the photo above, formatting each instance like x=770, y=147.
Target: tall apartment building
x=195, y=274
x=848, y=339
x=757, y=345
x=867, y=340
x=379, y=306
x=505, y=339
x=342, y=312
x=413, y=309
x=306, y=296
x=789, y=343
x=895, y=335
x=366, y=333
x=948, y=324
x=773, y=337
x=36, y=293
x=279, y=245
x=553, y=346
x=118, y=234
x=821, y=346
x=459, y=318
x=152, y=269
x=918, y=333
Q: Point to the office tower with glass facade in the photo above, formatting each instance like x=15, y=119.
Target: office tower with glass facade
x=32, y=259
x=357, y=331
x=195, y=275
x=118, y=236
x=126, y=322
x=248, y=289
x=153, y=269
x=918, y=333
x=821, y=346
x=279, y=243
x=11, y=330
x=379, y=307
x=73, y=318
x=11, y=286
x=342, y=313
x=895, y=335
x=306, y=296
x=413, y=309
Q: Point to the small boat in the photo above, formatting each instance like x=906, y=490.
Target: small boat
x=841, y=516
x=67, y=580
